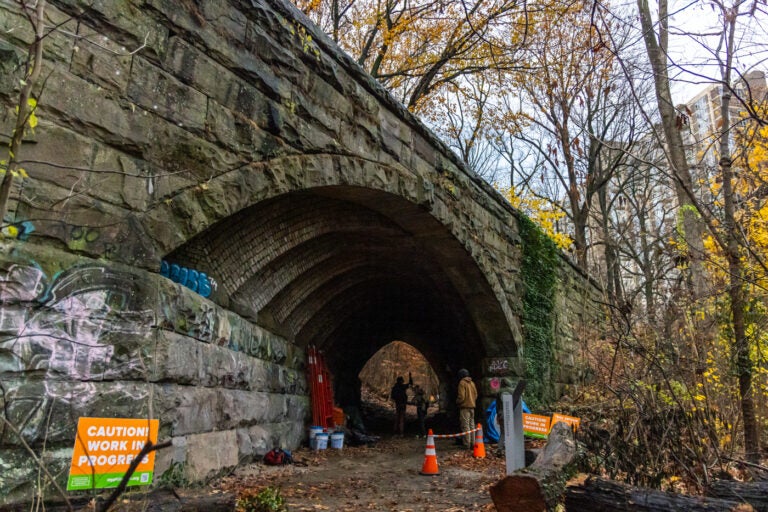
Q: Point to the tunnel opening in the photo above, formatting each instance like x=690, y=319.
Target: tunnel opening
x=348, y=270
x=381, y=371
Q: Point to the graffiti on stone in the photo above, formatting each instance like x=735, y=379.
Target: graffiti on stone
x=498, y=365
x=78, y=324
x=193, y=279
x=101, y=241
x=21, y=283
x=19, y=230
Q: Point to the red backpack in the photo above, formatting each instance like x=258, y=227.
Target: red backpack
x=277, y=457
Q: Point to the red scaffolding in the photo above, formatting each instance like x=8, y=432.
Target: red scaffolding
x=321, y=388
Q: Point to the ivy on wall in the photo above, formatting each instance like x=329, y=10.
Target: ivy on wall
x=539, y=274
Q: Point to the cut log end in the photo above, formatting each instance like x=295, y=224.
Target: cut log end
x=539, y=487
x=518, y=492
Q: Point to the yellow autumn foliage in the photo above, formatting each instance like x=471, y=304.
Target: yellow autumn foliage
x=750, y=185
x=541, y=212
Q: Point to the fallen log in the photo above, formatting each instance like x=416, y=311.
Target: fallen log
x=754, y=493
x=540, y=486
x=594, y=494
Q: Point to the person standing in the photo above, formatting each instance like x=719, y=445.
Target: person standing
x=400, y=397
x=421, y=402
x=465, y=401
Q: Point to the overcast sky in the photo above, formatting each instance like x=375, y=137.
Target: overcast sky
x=695, y=26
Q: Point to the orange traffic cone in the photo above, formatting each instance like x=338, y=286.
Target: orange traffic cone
x=429, y=467
x=478, y=451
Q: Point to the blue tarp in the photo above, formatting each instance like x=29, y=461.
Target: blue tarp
x=492, y=422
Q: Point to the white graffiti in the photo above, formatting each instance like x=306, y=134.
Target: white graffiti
x=73, y=325
x=498, y=366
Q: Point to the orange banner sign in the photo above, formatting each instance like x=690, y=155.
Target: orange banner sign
x=105, y=447
x=571, y=420
x=535, y=424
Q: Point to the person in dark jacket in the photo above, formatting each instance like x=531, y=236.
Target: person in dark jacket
x=400, y=397
x=421, y=402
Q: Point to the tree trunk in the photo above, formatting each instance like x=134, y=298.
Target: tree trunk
x=34, y=66
x=673, y=142
x=743, y=360
x=601, y=495
x=754, y=493
x=540, y=486
x=612, y=263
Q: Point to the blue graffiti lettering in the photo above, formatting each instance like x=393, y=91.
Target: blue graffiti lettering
x=204, y=286
x=193, y=279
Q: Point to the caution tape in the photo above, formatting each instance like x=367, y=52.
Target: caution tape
x=460, y=434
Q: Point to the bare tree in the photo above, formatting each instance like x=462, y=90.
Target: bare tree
x=26, y=104
x=656, y=39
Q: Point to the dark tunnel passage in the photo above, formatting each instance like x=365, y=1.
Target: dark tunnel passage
x=348, y=270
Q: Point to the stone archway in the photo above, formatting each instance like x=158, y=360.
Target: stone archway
x=349, y=269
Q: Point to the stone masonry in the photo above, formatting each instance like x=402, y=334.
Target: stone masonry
x=212, y=187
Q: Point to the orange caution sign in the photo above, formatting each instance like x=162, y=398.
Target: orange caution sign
x=570, y=420
x=105, y=447
x=535, y=425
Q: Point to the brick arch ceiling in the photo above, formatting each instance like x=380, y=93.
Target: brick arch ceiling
x=350, y=270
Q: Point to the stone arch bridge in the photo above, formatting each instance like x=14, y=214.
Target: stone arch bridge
x=212, y=187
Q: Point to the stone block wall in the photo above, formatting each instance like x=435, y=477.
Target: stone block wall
x=579, y=315
x=80, y=337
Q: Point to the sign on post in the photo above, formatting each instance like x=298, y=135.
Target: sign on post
x=536, y=425
x=570, y=420
x=105, y=447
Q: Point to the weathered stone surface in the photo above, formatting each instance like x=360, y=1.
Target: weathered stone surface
x=86, y=104
x=31, y=402
x=120, y=179
x=124, y=20
x=98, y=59
x=11, y=71
x=254, y=442
x=159, y=92
x=210, y=453
x=58, y=44
x=21, y=473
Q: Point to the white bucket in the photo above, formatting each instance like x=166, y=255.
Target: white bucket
x=313, y=431
x=321, y=441
x=337, y=440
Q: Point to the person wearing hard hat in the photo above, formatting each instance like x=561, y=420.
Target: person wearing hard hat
x=465, y=401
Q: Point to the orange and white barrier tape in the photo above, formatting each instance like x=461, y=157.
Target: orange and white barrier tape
x=460, y=434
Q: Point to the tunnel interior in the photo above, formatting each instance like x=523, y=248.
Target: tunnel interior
x=349, y=270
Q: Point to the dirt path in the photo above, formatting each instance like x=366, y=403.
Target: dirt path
x=383, y=477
